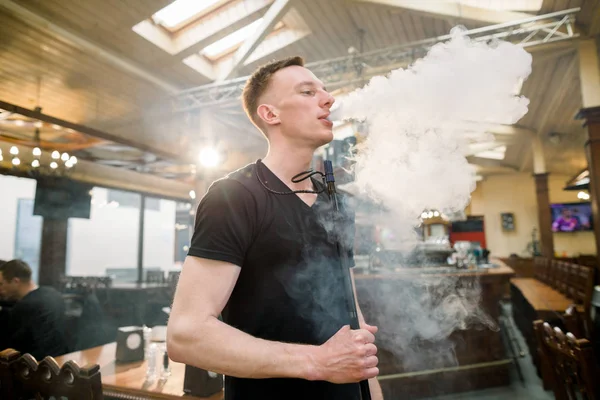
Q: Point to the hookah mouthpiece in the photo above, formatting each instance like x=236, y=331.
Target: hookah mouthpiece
x=328, y=166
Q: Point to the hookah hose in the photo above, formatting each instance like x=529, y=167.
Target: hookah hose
x=345, y=266
x=329, y=181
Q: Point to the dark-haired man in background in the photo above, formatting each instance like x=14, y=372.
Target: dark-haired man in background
x=37, y=319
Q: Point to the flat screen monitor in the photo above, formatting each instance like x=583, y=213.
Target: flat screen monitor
x=571, y=217
x=60, y=198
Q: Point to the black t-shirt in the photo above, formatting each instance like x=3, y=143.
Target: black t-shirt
x=37, y=324
x=290, y=288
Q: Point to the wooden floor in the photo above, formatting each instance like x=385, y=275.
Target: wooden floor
x=528, y=389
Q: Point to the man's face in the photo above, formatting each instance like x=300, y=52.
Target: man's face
x=8, y=289
x=301, y=105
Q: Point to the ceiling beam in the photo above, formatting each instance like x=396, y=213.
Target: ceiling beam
x=107, y=176
x=454, y=10
x=34, y=114
x=489, y=163
x=271, y=17
x=87, y=46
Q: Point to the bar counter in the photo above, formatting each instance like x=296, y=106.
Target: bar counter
x=472, y=357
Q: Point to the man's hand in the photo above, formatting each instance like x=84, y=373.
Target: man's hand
x=348, y=356
x=371, y=328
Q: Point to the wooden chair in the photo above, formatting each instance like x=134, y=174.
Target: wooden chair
x=173, y=277
x=23, y=378
x=568, y=364
x=575, y=322
x=155, y=277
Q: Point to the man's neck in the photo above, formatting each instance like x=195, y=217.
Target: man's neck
x=287, y=161
x=26, y=289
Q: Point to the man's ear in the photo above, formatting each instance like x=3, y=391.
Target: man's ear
x=268, y=114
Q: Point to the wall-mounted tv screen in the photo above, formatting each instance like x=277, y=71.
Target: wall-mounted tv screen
x=60, y=198
x=571, y=217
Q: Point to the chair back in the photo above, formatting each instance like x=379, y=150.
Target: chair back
x=155, y=276
x=568, y=362
x=575, y=323
x=23, y=378
x=173, y=277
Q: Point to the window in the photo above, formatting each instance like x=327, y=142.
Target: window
x=107, y=243
x=167, y=233
x=21, y=229
x=181, y=12
x=509, y=5
x=233, y=41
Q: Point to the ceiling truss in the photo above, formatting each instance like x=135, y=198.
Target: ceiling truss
x=356, y=69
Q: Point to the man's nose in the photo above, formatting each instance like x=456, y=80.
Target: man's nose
x=328, y=100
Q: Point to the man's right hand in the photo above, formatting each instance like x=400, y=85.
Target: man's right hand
x=348, y=356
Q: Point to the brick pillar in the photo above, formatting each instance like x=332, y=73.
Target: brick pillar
x=544, y=214
x=591, y=116
x=53, y=253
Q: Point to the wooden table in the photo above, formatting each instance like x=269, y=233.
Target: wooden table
x=128, y=380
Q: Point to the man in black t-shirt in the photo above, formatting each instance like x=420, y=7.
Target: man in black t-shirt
x=264, y=256
x=37, y=319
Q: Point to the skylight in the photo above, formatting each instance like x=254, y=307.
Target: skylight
x=180, y=11
x=230, y=41
x=494, y=154
x=507, y=5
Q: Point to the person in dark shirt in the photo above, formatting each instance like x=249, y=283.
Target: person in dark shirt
x=262, y=257
x=37, y=319
x=5, y=306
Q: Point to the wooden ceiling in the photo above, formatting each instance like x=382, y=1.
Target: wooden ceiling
x=80, y=61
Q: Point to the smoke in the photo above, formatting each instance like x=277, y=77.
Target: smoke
x=418, y=118
x=420, y=121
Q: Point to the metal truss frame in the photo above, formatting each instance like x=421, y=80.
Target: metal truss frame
x=356, y=68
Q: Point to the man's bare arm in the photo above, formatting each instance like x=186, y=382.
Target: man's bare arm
x=197, y=337
x=374, y=386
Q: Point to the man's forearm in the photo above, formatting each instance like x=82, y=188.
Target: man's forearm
x=215, y=346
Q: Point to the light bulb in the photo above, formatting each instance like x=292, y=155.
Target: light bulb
x=16, y=161
x=14, y=150
x=209, y=157
x=55, y=155
x=192, y=194
x=53, y=165
x=37, y=152
x=35, y=163
x=73, y=160
x=436, y=214
x=64, y=157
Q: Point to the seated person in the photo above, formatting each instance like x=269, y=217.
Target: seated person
x=37, y=319
x=5, y=306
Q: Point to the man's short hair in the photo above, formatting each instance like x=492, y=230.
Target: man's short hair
x=16, y=269
x=258, y=83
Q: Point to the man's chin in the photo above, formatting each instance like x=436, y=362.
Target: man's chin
x=326, y=138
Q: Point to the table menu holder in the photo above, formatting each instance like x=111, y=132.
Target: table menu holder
x=130, y=344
